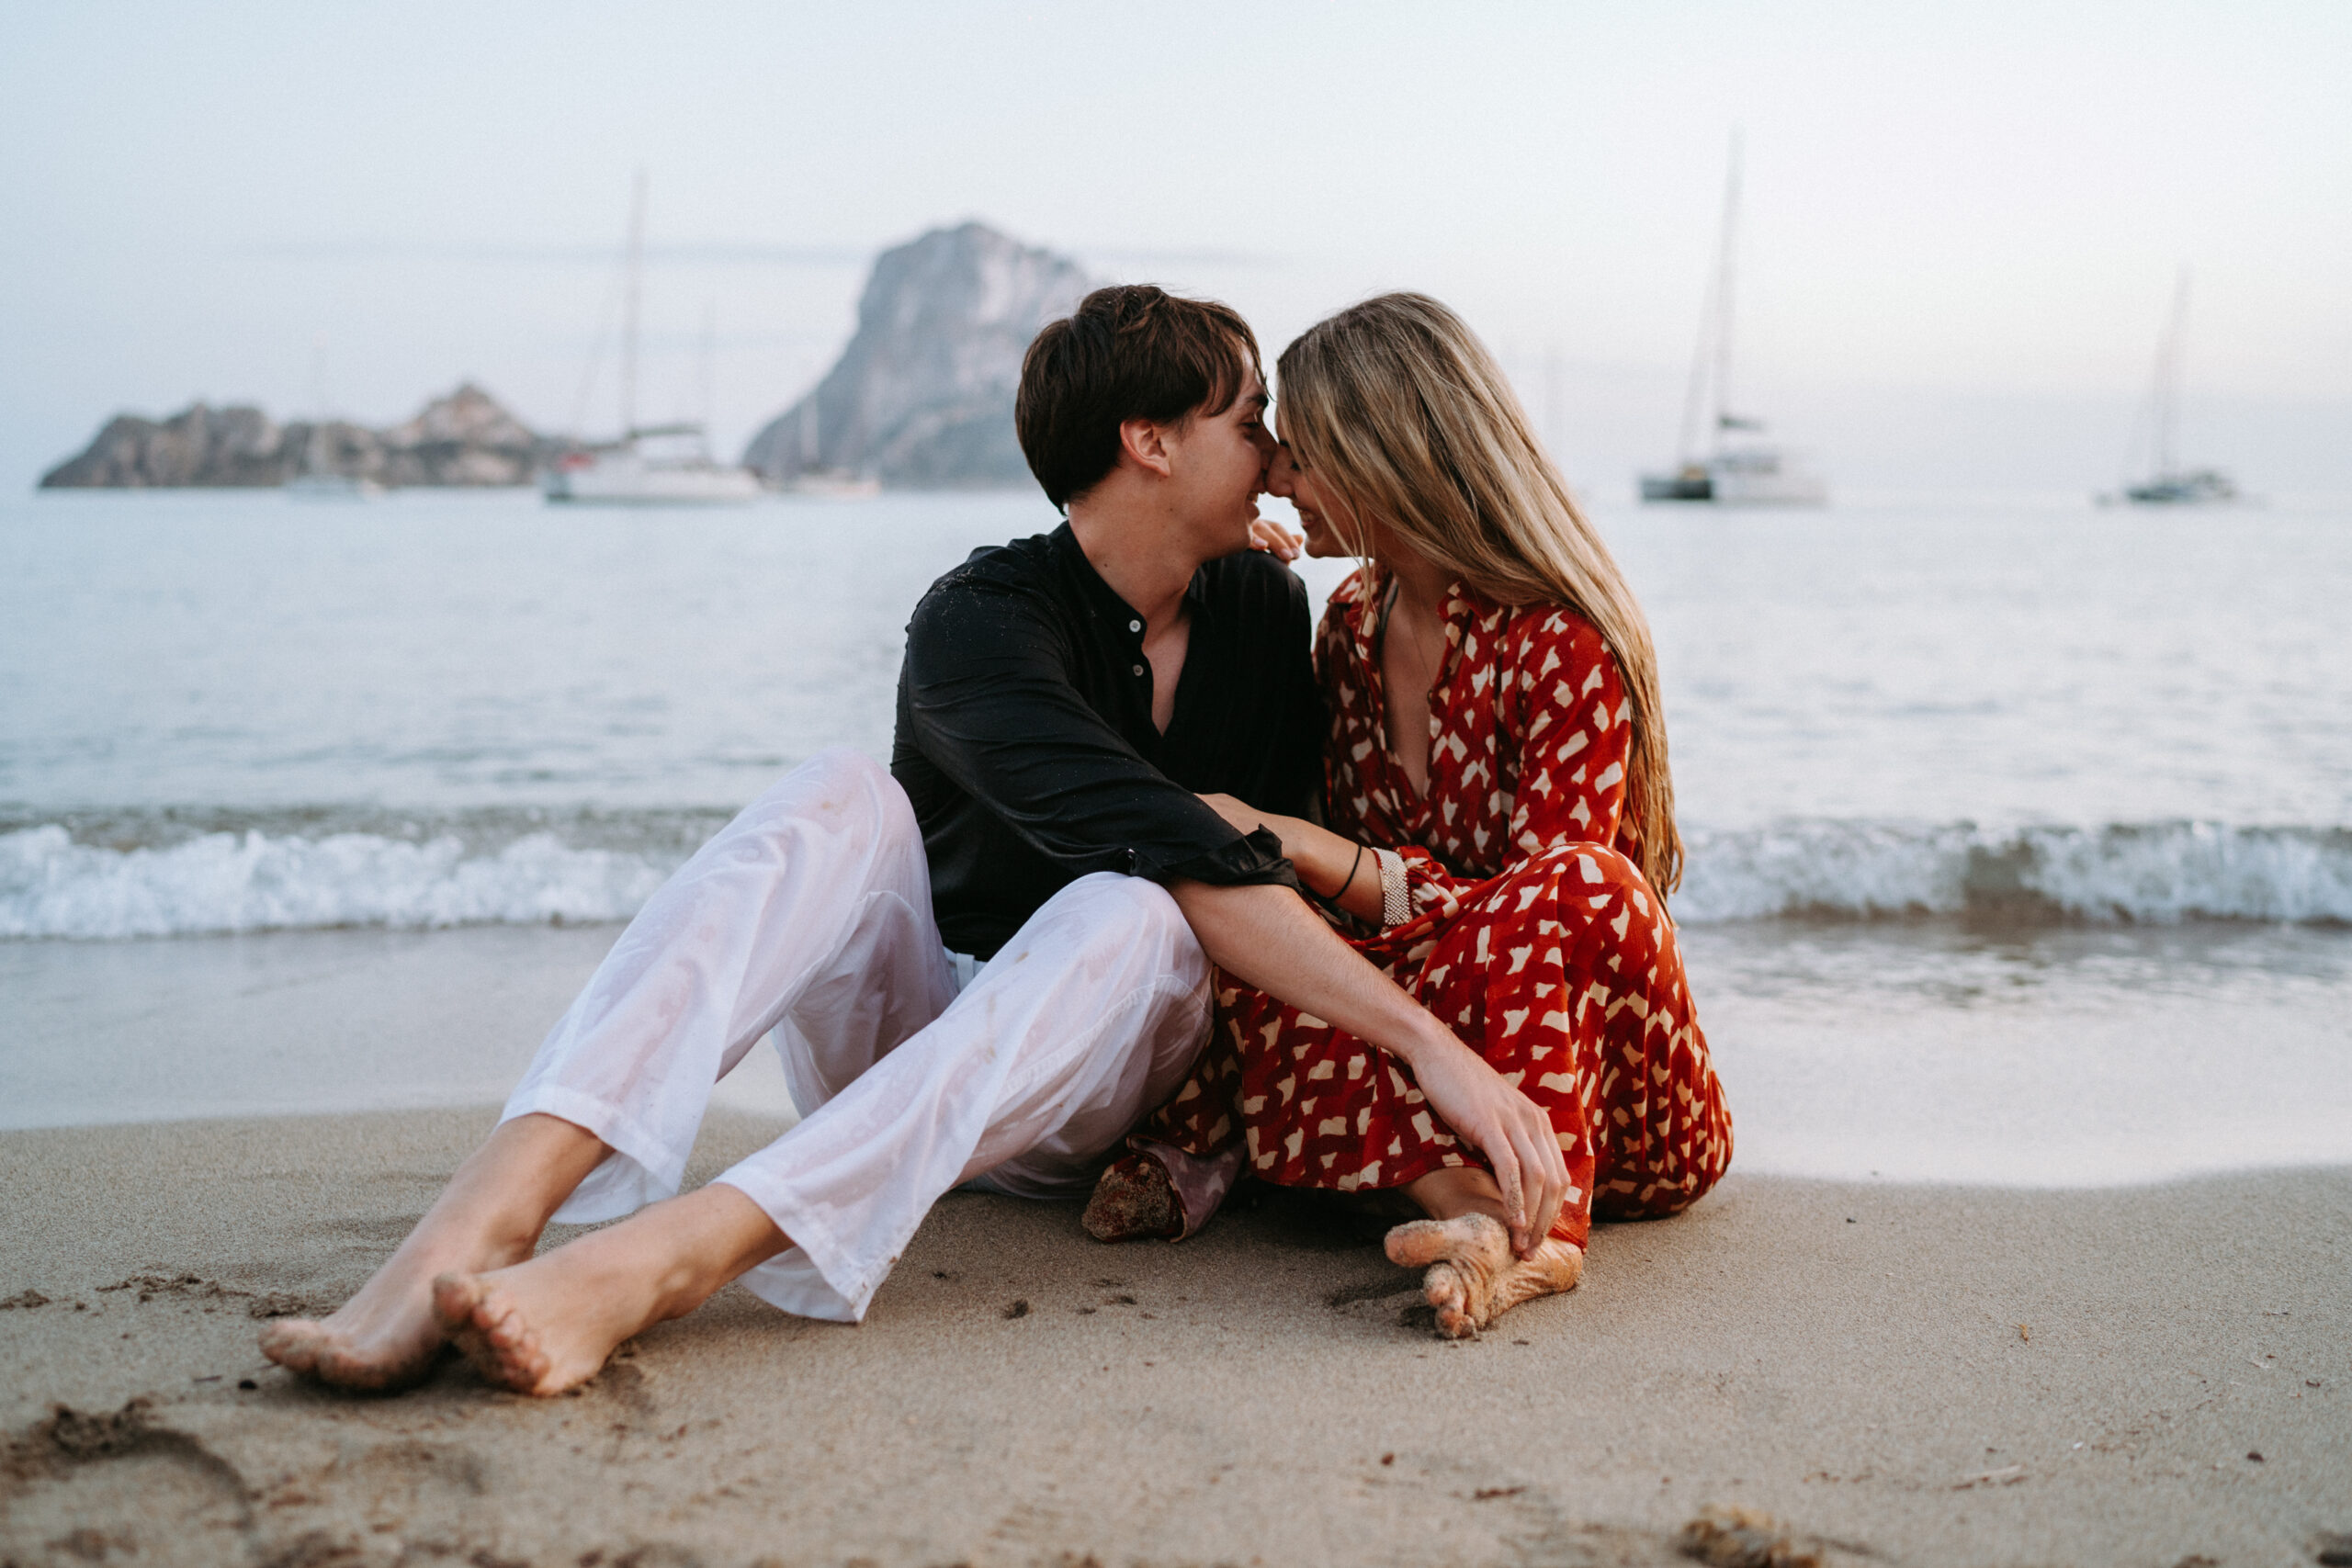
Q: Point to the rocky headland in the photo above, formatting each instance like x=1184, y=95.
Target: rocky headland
x=463, y=439
x=921, y=398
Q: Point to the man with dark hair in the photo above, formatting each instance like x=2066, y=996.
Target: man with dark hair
x=984, y=965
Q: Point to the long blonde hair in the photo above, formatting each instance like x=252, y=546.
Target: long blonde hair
x=1404, y=412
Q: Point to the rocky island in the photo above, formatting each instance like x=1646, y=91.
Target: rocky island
x=921, y=398
x=465, y=438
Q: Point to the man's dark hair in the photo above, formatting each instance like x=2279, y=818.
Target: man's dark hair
x=1127, y=352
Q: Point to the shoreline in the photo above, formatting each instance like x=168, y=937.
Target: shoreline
x=1839, y=1355
x=1943, y=1053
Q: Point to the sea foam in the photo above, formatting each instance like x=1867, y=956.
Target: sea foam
x=51, y=886
x=2157, y=873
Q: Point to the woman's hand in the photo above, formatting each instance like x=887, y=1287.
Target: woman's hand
x=1265, y=937
x=1483, y=1110
x=1274, y=539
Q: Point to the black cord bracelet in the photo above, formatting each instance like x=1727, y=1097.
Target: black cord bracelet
x=1353, y=865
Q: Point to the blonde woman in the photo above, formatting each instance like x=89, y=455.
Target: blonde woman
x=1500, y=834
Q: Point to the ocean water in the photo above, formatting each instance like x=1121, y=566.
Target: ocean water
x=2011, y=765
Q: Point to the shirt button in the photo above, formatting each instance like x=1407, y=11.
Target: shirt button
x=1134, y=626
x=1139, y=669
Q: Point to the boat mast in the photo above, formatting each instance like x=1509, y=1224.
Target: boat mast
x=2168, y=393
x=1710, y=362
x=709, y=362
x=632, y=288
x=1725, y=294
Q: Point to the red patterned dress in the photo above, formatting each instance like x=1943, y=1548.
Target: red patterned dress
x=1533, y=935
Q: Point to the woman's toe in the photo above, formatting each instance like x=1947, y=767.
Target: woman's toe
x=1418, y=1243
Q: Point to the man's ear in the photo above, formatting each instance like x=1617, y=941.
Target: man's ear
x=1144, y=443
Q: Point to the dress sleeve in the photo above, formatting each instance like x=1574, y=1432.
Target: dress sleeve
x=990, y=703
x=1565, y=732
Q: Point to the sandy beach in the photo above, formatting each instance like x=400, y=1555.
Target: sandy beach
x=1856, y=1334
x=1930, y=1375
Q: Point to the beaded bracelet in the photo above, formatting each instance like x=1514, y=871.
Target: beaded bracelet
x=1395, y=894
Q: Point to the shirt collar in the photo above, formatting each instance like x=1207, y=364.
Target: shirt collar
x=1103, y=601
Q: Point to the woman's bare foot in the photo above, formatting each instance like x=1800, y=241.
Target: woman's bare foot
x=549, y=1324
x=1473, y=1276
x=488, y=1216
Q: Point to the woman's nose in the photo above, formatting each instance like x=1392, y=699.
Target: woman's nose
x=1282, y=474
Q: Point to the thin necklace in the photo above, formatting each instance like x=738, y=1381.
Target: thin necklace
x=1433, y=658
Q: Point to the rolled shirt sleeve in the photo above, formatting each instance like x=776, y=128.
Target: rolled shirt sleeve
x=989, y=701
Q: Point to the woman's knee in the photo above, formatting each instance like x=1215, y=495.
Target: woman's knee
x=1572, y=881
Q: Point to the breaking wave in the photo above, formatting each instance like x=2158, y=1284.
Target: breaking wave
x=168, y=873
x=174, y=875
x=2153, y=873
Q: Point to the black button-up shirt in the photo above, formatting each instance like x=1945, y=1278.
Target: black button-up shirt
x=1025, y=741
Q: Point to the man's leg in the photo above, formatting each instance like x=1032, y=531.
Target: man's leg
x=823, y=876
x=490, y=1216
x=1086, y=1018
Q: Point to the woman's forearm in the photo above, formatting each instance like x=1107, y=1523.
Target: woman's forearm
x=1333, y=867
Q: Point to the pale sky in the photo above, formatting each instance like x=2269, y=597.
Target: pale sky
x=1962, y=221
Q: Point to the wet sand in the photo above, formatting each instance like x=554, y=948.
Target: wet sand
x=1908, y=1374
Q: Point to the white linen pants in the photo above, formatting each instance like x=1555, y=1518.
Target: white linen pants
x=810, y=915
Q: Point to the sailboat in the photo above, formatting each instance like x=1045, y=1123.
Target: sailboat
x=1737, y=467
x=650, y=464
x=315, y=477
x=2168, y=483
x=809, y=478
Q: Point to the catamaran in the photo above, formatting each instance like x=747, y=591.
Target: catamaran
x=2168, y=483
x=651, y=465
x=1737, y=467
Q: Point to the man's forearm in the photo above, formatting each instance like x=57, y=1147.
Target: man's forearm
x=1267, y=937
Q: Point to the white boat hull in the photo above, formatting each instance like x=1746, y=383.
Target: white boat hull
x=621, y=479
x=2204, y=487
x=1740, y=478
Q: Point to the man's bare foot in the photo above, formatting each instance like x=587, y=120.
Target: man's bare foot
x=527, y=1333
x=1133, y=1198
x=489, y=1216
x=549, y=1324
x=1473, y=1276
x=385, y=1338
